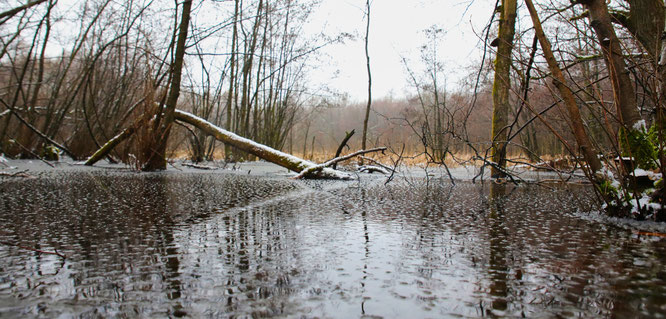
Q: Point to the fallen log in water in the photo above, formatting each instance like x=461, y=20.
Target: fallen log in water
x=264, y=152
x=306, y=169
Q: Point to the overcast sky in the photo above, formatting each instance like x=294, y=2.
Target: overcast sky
x=396, y=30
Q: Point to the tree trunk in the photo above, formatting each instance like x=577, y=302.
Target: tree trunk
x=645, y=21
x=156, y=150
x=580, y=135
x=502, y=86
x=232, y=79
x=367, y=59
x=623, y=90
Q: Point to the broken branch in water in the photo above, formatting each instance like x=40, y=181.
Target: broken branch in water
x=342, y=145
x=55, y=252
x=316, y=168
x=199, y=166
x=372, y=169
x=395, y=165
x=655, y=234
x=264, y=152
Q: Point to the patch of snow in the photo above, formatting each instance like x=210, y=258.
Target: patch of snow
x=641, y=172
x=640, y=126
x=607, y=174
x=647, y=204
x=662, y=58
x=625, y=223
x=3, y=159
x=372, y=168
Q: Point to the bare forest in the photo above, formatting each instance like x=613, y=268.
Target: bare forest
x=332, y=159
x=559, y=85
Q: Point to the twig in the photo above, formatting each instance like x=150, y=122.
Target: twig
x=33, y=154
x=395, y=165
x=199, y=166
x=36, y=131
x=650, y=234
x=55, y=252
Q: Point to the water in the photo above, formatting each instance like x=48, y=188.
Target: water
x=216, y=245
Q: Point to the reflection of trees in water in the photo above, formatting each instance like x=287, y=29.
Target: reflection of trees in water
x=248, y=258
x=543, y=260
x=117, y=232
x=138, y=246
x=366, y=247
x=497, y=237
x=527, y=253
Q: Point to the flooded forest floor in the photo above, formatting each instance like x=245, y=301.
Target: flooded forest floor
x=250, y=242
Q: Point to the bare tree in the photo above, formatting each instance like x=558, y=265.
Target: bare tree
x=502, y=86
x=367, y=59
x=155, y=158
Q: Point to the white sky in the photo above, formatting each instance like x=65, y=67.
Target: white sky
x=396, y=30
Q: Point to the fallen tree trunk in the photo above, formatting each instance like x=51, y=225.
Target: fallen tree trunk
x=305, y=168
x=113, y=142
x=264, y=152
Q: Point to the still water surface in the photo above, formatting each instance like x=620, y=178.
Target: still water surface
x=221, y=245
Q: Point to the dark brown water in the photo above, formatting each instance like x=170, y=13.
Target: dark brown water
x=202, y=245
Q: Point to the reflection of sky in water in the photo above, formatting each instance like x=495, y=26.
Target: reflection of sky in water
x=175, y=244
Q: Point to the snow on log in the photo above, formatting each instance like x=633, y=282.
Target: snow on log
x=371, y=169
x=264, y=152
x=306, y=172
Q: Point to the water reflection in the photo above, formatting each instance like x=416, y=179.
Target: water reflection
x=199, y=245
x=497, y=235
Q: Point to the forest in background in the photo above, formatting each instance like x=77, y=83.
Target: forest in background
x=556, y=78
x=248, y=74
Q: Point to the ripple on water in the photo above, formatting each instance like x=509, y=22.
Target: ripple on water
x=221, y=245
